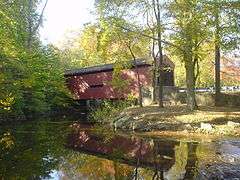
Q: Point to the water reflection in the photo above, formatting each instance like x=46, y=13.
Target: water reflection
x=55, y=151
x=158, y=156
x=34, y=153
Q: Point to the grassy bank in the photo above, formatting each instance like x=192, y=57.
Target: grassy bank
x=179, y=120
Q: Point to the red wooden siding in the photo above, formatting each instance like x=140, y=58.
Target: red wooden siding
x=98, y=85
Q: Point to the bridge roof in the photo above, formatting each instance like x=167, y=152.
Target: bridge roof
x=110, y=67
x=104, y=67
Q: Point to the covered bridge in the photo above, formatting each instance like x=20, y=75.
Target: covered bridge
x=95, y=83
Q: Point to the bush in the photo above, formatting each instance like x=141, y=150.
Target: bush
x=108, y=109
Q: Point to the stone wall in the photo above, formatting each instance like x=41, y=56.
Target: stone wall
x=173, y=96
x=169, y=93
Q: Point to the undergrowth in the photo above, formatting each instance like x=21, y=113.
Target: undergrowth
x=107, y=110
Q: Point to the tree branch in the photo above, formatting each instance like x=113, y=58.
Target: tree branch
x=154, y=38
x=40, y=17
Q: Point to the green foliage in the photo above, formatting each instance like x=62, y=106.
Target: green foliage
x=192, y=26
x=106, y=112
x=101, y=43
x=190, y=29
x=105, y=42
x=31, y=77
x=206, y=69
x=227, y=22
x=118, y=83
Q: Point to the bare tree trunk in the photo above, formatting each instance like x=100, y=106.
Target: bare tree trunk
x=157, y=12
x=217, y=77
x=217, y=62
x=30, y=25
x=154, y=70
x=140, y=99
x=154, y=81
x=160, y=88
x=190, y=82
x=33, y=28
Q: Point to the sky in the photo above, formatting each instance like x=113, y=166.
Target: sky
x=63, y=15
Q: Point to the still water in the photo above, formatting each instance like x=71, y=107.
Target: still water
x=54, y=150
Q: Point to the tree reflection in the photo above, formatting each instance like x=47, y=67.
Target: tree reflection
x=191, y=167
x=156, y=155
x=35, y=151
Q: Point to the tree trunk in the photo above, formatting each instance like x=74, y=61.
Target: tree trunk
x=160, y=88
x=33, y=28
x=154, y=81
x=217, y=76
x=217, y=62
x=160, y=63
x=30, y=25
x=190, y=82
x=140, y=99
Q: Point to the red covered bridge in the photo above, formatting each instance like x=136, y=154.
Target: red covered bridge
x=93, y=83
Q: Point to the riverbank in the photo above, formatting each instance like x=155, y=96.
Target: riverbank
x=178, y=120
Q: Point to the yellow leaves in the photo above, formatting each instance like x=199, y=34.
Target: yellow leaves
x=9, y=20
x=28, y=83
x=103, y=43
x=7, y=102
x=118, y=82
x=89, y=39
x=7, y=141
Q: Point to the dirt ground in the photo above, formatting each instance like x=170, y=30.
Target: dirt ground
x=210, y=120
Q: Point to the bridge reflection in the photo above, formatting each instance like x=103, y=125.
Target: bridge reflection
x=164, y=157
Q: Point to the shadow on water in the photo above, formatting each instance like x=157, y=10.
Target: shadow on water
x=46, y=150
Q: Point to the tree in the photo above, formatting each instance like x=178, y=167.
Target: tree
x=30, y=72
x=152, y=13
x=79, y=48
x=136, y=46
x=225, y=23
x=190, y=34
x=157, y=12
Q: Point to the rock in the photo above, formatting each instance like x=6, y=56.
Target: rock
x=119, y=117
x=122, y=123
x=234, y=124
x=142, y=126
x=133, y=126
x=206, y=127
x=185, y=131
x=136, y=118
x=219, y=171
x=188, y=127
x=161, y=127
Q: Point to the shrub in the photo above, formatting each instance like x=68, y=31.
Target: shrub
x=108, y=109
